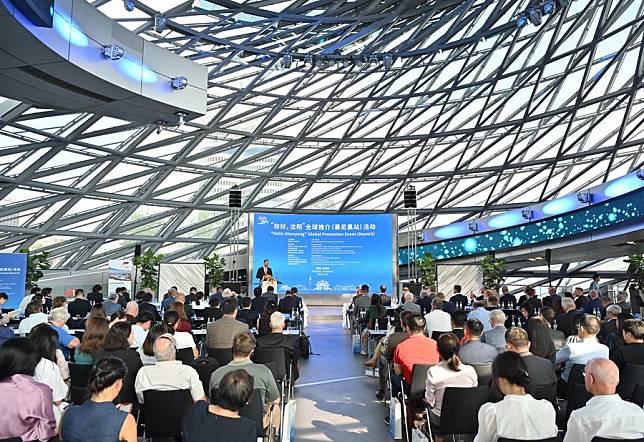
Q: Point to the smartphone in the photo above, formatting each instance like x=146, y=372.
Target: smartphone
x=125, y=407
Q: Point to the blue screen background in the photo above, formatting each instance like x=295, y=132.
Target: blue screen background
x=328, y=254
x=13, y=271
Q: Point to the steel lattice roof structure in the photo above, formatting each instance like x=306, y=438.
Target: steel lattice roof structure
x=305, y=115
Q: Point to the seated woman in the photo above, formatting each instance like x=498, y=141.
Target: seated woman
x=93, y=339
x=518, y=415
x=541, y=342
x=45, y=340
x=98, y=419
x=376, y=315
x=115, y=317
x=200, y=302
x=222, y=417
x=183, y=339
x=118, y=343
x=146, y=351
x=449, y=372
x=26, y=404
x=184, y=324
x=265, y=319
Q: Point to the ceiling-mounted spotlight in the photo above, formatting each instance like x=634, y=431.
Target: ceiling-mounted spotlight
x=388, y=61
x=548, y=7
x=128, y=5
x=563, y=3
x=160, y=23
x=288, y=61
x=640, y=174
x=527, y=214
x=534, y=15
x=522, y=21
x=585, y=197
x=373, y=61
x=113, y=52
x=319, y=62
x=179, y=83
x=472, y=226
x=182, y=118
x=308, y=60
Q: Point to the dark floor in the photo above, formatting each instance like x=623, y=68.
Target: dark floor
x=335, y=400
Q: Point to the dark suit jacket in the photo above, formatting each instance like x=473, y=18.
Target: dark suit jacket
x=508, y=300
x=459, y=299
x=211, y=314
x=541, y=371
x=259, y=304
x=260, y=272
x=290, y=343
x=95, y=297
x=79, y=307
x=566, y=323
x=581, y=302
x=386, y=299
x=270, y=296
x=449, y=307
x=150, y=308
x=425, y=305
x=288, y=303
x=606, y=329
x=248, y=316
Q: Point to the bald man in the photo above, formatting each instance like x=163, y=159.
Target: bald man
x=605, y=414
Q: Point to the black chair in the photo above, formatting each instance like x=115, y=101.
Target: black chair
x=205, y=367
x=630, y=378
x=79, y=376
x=459, y=412
x=638, y=396
x=272, y=366
x=550, y=439
x=418, y=380
x=185, y=355
x=12, y=439
x=222, y=355
x=163, y=412
x=547, y=392
x=484, y=373
x=275, y=355
x=577, y=398
x=604, y=439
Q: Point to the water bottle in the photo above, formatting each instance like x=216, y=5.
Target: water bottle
x=377, y=325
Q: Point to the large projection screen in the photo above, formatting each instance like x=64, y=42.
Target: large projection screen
x=324, y=254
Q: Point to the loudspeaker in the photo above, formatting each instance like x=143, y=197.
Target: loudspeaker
x=234, y=197
x=39, y=12
x=548, y=255
x=409, y=198
x=137, y=250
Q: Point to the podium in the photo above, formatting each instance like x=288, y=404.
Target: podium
x=272, y=282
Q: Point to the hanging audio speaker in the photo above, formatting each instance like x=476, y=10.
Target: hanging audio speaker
x=39, y=12
x=137, y=250
x=235, y=197
x=548, y=255
x=409, y=197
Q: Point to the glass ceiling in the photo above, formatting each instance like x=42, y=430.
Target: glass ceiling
x=479, y=115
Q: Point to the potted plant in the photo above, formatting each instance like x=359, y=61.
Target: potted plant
x=636, y=284
x=493, y=272
x=214, y=270
x=147, y=265
x=428, y=270
x=36, y=263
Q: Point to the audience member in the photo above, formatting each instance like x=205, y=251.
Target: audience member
x=409, y=304
x=376, y=313
x=97, y=419
x=388, y=348
x=112, y=305
x=609, y=325
x=507, y=300
x=623, y=302
x=580, y=300
x=57, y=319
x=220, y=334
x=566, y=320
x=481, y=314
x=270, y=294
x=79, y=307
x=93, y=340
x=168, y=374
x=169, y=298
x=496, y=335
x=605, y=414
x=34, y=317
x=199, y=303
x=247, y=315
x=258, y=303
x=182, y=339
x=97, y=311
x=222, y=417
x=540, y=334
x=437, y=320
x=118, y=343
x=146, y=305
x=594, y=285
x=552, y=299
x=459, y=318
x=448, y=306
x=59, y=301
x=183, y=324
x=458, y=299
x=548, y=315
x=263, y=380
x=146, y=351
x=384, y=297
x=187, y=308
x=473, y=351
x=416, y=349
x=290, y=302
x=142, y=324
x=615, y=339
x=96, y=296
x=632, y=352
x=518, y=415
x=265, y=319
x=594, y=305
x=26, y=404
x=277, y=339
x=27, y=299
x=583, y=351
x=449, y=372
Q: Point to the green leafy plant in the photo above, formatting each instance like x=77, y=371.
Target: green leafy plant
x=36, y=263
x=214, y=269
x=147, y=265
x=493, y=272
x=427, y=268
x=636, y=271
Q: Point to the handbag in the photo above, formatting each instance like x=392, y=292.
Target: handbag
x=395, y=418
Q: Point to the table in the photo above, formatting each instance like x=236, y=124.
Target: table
x=377, y=334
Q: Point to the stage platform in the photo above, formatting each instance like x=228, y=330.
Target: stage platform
x=321, y=314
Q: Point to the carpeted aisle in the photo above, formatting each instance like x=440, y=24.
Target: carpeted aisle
x=335, y=401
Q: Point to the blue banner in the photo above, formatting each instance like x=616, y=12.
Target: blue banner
x=13, y=272
x=329, y=254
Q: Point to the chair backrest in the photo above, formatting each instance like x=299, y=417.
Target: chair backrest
x=459, y=412
x=205, y=367
x=163, y=412
x=272, y=366
x=79, y=376
x=222, y=355
x=276, y=355
x=185, y=355
x=547, y=392
x=418, y=380
x=550, y=439
x=638, y=396
x=630, y=378
x=576, y=374
x=604, y=439
x=484, y=373
x=577, y=398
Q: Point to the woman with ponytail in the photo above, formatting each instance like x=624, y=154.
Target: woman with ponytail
x=518, y=415
x=449, y=372
x=98, y=420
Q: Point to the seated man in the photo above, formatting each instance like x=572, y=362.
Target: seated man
x=481, y=314
x=290, y=302
x=473, y=351
x=146, y=304
x=246, y=314
x=437, y=320
x=220, y=333
x=80, y=306
x=496, y=336
x=541, y=371
x=243, y=347
x=259, y=302
x=632, y=352
x=168, y=374
x=459, y=318
x=57, y=319
x=277, y=339
x=111, y=305
x=584, y=350
x=35, y=317
x=605, y=414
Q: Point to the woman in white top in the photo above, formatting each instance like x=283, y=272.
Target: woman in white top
x=183, y=339
x=449, y=372
x=518, y=415
x=200, y=303
x=146, y=351
x=45, y=339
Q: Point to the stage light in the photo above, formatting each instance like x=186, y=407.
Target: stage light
x=160, y=23
x=584, y=197
x=113, y=52
x=128, y=5
x=373, y=61
x=288, y=61
x=182, y=118
x=319, y=62
x=388, y=61
x=179, y=83
x=522, y=21
x=472, y=226
x=527, y=214
x=534, y=15
x=563, y=3
x=548, y=7
x=308, y=60
x=640, y=174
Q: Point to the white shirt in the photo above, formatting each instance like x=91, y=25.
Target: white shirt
x=168, y=376
x=482, y=315
x=48, y=373
x=184, y=340
x=139, y=335
x=606, y=416
x=23, y=304
x=31, y=321
x=580, y=353
x=202, y=305
x=439, y=377
x=438, y=320
x=145, y=359
x=517, y=417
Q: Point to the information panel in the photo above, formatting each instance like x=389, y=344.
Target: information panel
x=328, y=254
x=13, y=271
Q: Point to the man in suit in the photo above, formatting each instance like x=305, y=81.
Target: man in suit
x=270, y=294
x=277, y=339
x=622, y=301
x=552, y=299
x=264, y=271
x=146, y=305
x=80, y=306
x=220, y=333
x=259, y=302
x=246, y=314
x=290, y=302
x=580, y=300
x=594, y=305
x=384, y=297
x=409, y=304
x=459, y=318
x=566, y=320
x=507, y=299
x=496, y=335
x=610, y=324
x=362, y=300
x=458, y=299
x=473, y=350
x=425, y=302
